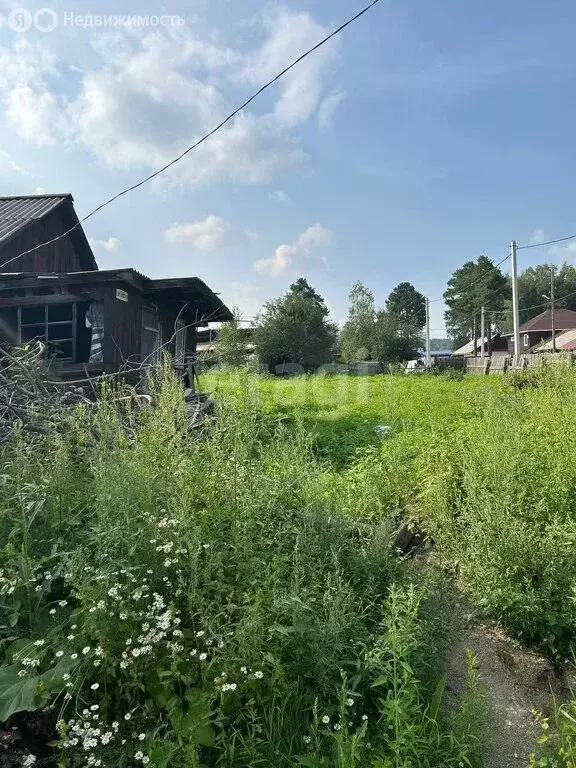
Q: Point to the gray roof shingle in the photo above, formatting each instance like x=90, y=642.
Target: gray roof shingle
x=18, y=212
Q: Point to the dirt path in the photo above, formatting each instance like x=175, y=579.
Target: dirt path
x=517, y=681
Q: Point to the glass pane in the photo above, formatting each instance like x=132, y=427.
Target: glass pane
x=150, y=344
x=59, y=312
x=61, y=331
x=31, y=315
x=8, y=323
x=33, y=332
x=150, y=320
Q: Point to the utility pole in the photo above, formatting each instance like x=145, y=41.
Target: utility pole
x=552, y=310
x=482, y=332
x=475, y=337
x=428, y=354
x=515, y=309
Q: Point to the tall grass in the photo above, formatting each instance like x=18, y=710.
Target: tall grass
x=209, y=600
x=498, y=493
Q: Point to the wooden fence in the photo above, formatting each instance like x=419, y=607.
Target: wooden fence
x=500, y=364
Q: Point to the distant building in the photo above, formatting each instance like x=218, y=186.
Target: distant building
x=207, y=338
x=539, y=329
x=498, y=346
x=565, y=342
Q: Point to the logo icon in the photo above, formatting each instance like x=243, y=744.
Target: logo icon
x=20, y=20
x=45, y=20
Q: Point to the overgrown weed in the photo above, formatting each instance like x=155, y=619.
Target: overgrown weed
x=204, y=600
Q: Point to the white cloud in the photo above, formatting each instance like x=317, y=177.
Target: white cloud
x=39, y=191
x=328, y=107
x=9, y=165
x=289, y=35
x=141, y=97
x=299, y=254
x=537, y=237
x=208, y=234
x=251, y=236
x=29, y=105
x=279, y=196
x=110, y=244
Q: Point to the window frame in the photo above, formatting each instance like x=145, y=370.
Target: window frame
x=47, y=324
x=154, y=357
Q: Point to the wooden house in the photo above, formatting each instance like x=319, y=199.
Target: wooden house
x=539, y=329
x=95, y=321
x=496, y=345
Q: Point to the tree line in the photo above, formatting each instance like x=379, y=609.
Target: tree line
x=481, y=283
x=296, y=328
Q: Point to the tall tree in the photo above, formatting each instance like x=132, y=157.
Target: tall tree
x=357, y=337
x=474, y=285
x=535, y=281
x=408, y=305
x=230, y=347
x=395, y=340
x=295, y=329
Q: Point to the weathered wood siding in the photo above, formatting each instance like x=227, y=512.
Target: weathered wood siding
x=122, y=325
x=60, y=256
x=168, y=319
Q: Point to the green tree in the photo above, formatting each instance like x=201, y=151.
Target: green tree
x=230, y=348
x=357, y=337
x=475, y=284
x=408, y=305
x=295, y=329
x=395, y=341
x=533, y=283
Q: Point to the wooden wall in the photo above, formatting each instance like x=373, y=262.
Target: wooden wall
x=60, y=256
x=168, y=321
x=122, y=325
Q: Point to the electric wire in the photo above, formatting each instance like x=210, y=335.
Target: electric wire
x=206, y=136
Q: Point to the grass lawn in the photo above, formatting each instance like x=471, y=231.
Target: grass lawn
x=343, y=412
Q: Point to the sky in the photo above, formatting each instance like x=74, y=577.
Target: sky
x=423, y=136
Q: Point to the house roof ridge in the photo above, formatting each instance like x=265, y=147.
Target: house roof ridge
x=38, y=196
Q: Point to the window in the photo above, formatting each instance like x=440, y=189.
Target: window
x=54, y=324
x=151, y=337
x=526, y=340
x=180, y=349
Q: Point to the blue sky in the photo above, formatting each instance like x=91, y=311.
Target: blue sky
x=427, y=134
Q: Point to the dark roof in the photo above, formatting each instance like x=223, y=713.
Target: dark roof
x=564, y=320
x=176, y=290
x=19, y=211
x=209, y=305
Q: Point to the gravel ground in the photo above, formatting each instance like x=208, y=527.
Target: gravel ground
x=517, y=681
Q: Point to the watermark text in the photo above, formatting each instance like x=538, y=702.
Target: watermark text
x=47, y=20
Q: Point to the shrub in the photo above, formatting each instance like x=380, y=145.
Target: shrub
x=557, y=745
x=497, y=492
x=200, y=600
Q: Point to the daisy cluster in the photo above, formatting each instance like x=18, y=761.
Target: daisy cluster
x=39, y=580
x=226, y=686
x=90, y=734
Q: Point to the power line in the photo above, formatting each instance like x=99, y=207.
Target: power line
x=205, y=137
x=547, y=242
x=534, y=306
